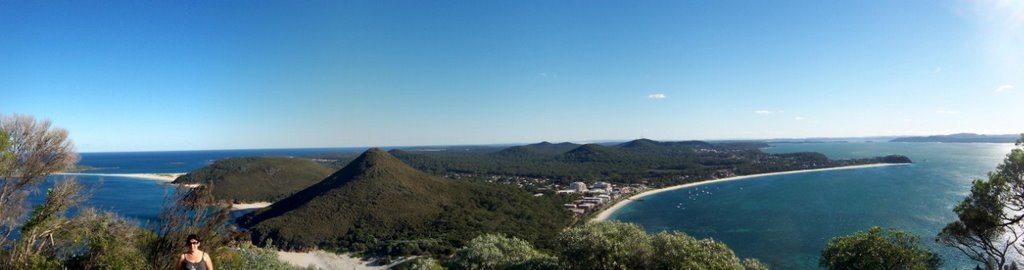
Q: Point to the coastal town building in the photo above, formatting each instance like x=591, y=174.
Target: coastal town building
x=578, y=186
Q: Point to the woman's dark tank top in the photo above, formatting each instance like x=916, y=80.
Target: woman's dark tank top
x=201, y=265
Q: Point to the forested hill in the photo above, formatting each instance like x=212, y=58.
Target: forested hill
x=257, y=179
x=542, y=148
x=629, y=162
x=962, y=138
x=380, y=204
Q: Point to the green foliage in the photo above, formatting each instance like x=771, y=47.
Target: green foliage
x=40, y=262
x=754, y=264
x=248, y=256
x=984, y=230
x=614, y=245
x=258, y=179
x=420, y=263
x=107, y=241
x=380, y=205
x=6, y=156
x=681, y=251
x=189, y=211
x=878, y=249
x=657, y=163
x=606, y=245
x=601, y=245
x=495, y=251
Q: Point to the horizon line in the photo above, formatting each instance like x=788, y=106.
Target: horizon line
x=525, y=143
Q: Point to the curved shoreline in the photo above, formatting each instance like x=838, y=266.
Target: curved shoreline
x=606, y=213
x=149, y=176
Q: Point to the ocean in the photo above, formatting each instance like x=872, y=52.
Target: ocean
x=142, y=199
x=785, y=220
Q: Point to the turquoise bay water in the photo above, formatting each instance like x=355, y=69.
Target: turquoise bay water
x=785, y=220
x=142, y=199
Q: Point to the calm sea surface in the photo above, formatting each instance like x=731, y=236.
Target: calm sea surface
x=782, y=220
x=142, y=199
x=785, y=220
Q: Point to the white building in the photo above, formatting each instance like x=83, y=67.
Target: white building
x=607, y=187
x=578, y=186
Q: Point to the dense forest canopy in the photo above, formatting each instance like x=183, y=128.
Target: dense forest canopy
x=643, y=160
x=378, y=203
x=257, y=179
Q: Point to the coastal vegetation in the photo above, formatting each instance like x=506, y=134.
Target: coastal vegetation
x=878, y=249
x=380, y=205
x=990, y=220
x=257, y=179
x=600, y=245
x=638, y=161
x=61, y=233
x=30, y=151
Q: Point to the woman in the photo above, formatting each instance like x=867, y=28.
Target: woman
x=194, y=259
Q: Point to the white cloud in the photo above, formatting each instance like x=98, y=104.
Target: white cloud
x=947, y=112
x=657, y=96
x=798, y=118
x=1004, y=88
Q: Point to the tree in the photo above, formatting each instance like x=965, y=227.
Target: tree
x=103, y=240
x=989, y=224
x=421, y=263
x=29, y=152
x=605, y=245
x=49, y=238
x=878, y=249
x=495, y=251
x=681, y=251
x=615, y=245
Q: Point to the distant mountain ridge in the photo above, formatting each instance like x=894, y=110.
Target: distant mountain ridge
x=962, y=138
x=377, y=198
x=638, y=161
x=542, y=148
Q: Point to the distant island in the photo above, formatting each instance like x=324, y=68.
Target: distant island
x=962, y=138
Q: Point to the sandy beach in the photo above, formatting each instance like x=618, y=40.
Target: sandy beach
x=608, y=212
x=150, y=176
x=249, y=206
x=326, y=260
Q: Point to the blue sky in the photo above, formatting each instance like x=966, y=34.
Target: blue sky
x=176, y=75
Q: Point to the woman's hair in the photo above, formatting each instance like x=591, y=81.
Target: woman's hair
x=192, y=237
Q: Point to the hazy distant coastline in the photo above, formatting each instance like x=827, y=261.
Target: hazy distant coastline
x=962, y=138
